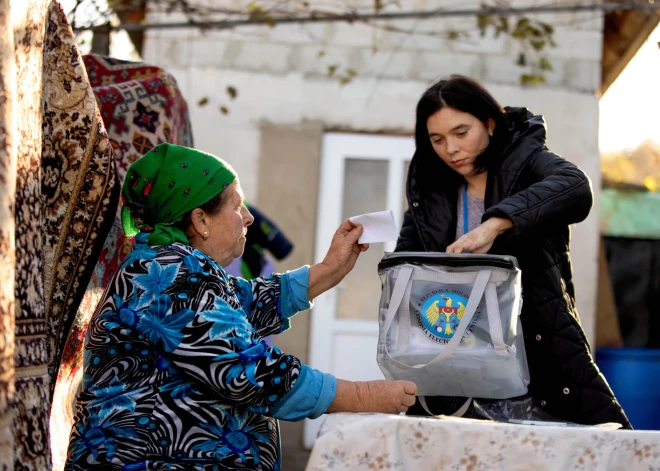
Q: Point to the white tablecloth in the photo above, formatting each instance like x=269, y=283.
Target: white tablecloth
x=387, y=442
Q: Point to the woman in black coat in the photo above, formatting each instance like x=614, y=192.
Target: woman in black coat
x=521, y=199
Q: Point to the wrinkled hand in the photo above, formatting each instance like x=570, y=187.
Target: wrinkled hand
x=339, y=261
x=481, y=239
x=344, y=249
x=390, y=397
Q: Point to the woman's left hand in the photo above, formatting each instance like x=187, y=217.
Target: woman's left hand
x=481, y=239
x=339, y=261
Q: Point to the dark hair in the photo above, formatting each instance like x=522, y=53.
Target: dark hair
x=466, y=95
x=212, y=207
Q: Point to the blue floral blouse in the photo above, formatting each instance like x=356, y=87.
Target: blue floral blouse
x=176, y=372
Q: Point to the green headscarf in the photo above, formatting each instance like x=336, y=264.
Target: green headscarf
x=166, y=183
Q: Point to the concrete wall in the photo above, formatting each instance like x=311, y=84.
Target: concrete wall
x=283, y=82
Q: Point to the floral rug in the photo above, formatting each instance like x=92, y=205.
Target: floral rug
x=141, y=107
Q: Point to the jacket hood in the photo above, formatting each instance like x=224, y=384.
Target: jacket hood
x=526, y=129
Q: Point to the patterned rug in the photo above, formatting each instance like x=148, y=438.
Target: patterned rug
x=57, y=167
x=141, y=107
x=8, y=138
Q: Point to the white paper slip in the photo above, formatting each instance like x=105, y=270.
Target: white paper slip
x=378, y=227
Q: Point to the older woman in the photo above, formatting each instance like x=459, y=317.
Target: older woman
x=176, y=373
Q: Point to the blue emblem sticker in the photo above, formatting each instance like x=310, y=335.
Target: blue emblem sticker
x=440, y=312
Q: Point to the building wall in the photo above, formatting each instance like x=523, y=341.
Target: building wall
x=285, y=97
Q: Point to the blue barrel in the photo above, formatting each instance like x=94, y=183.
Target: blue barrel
x=634, y=376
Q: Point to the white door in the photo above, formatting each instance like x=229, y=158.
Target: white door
x=359, y=174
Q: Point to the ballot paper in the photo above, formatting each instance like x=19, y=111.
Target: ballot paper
x=378, y=227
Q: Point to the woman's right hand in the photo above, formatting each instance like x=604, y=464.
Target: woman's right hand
x=390, y=397
x=341, y=257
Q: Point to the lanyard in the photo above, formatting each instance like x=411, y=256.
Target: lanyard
x=466, y=227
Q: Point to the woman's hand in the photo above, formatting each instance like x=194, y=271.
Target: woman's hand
x=339, y=261
x=389, y=397
x=481, y=239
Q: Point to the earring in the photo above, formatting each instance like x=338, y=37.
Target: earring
x=206, y=235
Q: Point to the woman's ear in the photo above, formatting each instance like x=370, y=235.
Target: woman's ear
x=199, y=223
x=490, y=125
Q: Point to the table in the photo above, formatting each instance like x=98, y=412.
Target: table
x=389, y=442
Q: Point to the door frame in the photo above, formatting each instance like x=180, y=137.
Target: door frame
x=336, y=149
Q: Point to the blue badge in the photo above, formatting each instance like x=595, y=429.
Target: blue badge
x=441, y=313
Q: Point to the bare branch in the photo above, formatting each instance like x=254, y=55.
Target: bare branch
x=532, y=35
x=327, y=17
x=446, y=34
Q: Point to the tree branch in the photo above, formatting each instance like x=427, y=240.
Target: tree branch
x=325, y=17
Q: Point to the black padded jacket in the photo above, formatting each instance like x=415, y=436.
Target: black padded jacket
x=542, y=194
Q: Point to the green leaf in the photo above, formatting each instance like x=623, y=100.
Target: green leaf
x=531, y=80
x=454, y=34
x=331, y=70
x=351, y=72
x=537, y=44
x=527, y=80
x=534, y=31
x=504, y=24
x=483, y=21
x=344, y=80
x=321, y=53
x=224, y=110
x=378, y=5
x=258, y=15
x=502, y=27
x=522, y=29
x=522, y=60
x=545, y=64
x=203, y=101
